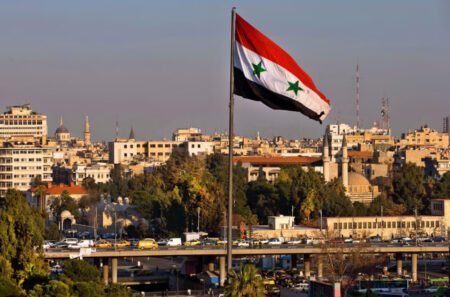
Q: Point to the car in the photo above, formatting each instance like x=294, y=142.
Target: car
x=122, y=243
x=147, y=243
x=243, y=243
x=294, y=241
x=103, y=243
x=133, y=241
x=193, y=243
x=82, y=243
x=438, y=239
x=376, y=238
x=163, y=242
x=210, y=241
x=176, y=241
x=348, y=240
x=274, y=241
x=432, y=289
x=65, y=242
x=48, y=244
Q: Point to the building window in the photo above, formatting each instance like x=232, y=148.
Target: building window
x=345, y=225
x=432, y=224
x=125, y=146
x=335, y=226
x=365, y=225
x=359, y=225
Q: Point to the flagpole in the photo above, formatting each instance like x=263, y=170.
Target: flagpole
x=230, y=145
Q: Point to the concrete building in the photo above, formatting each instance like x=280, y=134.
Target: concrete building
x=22, y=163
x=374, y=137
x=188, y=134
x=20, y=122
x=436, y=224
x=195, y=148
x=271, y=166
x=425, y=137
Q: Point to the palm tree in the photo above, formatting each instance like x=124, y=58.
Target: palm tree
x=246, y=283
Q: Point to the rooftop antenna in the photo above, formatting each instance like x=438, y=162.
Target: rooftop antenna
x=357, y=96
x=117, y=129
x=385, y=116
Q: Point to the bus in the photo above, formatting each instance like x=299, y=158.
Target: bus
x=380, y=286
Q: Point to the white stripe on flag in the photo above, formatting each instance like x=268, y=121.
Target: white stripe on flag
x=276, y=79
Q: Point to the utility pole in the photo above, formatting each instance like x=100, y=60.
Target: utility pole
x=198, y=219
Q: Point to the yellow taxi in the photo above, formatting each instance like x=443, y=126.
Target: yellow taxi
x=122, y=243
x=147, y=243
x=102, y=243
x=193, y=243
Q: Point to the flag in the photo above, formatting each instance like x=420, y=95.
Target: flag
x=264, y=72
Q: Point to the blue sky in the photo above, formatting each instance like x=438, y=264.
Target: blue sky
x=162, y=65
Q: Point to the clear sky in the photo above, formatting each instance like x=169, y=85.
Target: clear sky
x=159, y=65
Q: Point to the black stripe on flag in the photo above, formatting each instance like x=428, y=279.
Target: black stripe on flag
x=253, y=91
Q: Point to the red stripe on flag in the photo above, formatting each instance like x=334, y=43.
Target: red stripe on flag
x=249, y=37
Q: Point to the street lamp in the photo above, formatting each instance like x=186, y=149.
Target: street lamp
x=321, y=226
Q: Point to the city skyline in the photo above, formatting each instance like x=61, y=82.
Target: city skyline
x=116, y=63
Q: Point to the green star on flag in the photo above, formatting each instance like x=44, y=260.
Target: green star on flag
x=294, y=87
x=258, y=68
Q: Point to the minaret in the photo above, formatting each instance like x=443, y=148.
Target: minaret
x=87, y=132
x=344, y=161
x=326, y=159
x=61, y=123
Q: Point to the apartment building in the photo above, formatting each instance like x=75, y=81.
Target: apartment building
x=425, y=137
x=20, y=122
x=22, y=163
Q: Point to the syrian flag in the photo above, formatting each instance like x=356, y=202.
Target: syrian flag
x=265, y=72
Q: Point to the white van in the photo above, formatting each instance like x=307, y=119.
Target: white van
x=174, y=242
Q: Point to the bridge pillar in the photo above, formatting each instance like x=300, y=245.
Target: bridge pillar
x=293, y=261
x=307, y=265
x=414, y=267
x=114, y=270
x=319, y=266
x=222, y=271
x=398, y=258
x=105, y=271
x=211, y=265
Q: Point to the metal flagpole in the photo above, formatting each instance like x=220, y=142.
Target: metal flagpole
x=230, y=144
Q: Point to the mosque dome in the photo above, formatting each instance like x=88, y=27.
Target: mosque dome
x=61, y=129
x=357, y=179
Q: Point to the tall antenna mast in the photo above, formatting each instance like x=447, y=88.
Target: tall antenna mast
x=117, y=129
x=388, y=116
x=357, y=96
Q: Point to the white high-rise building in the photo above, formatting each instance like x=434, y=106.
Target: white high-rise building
x=21, y=122
x=22, y=163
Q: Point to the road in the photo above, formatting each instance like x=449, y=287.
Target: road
x=373, y=248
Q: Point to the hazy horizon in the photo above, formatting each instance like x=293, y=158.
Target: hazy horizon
x=161, y=66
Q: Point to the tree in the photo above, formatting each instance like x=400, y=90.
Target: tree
x=52, y=232
x=245, y=283
x=53, y=288
x=335, y=202
x=8, y=288
x=65, y=202
x=80, y=271
x=442, y=187
x=88, y=289
x=409, y=189
x=21, y=232
x=118, y=291
x=307, y=206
